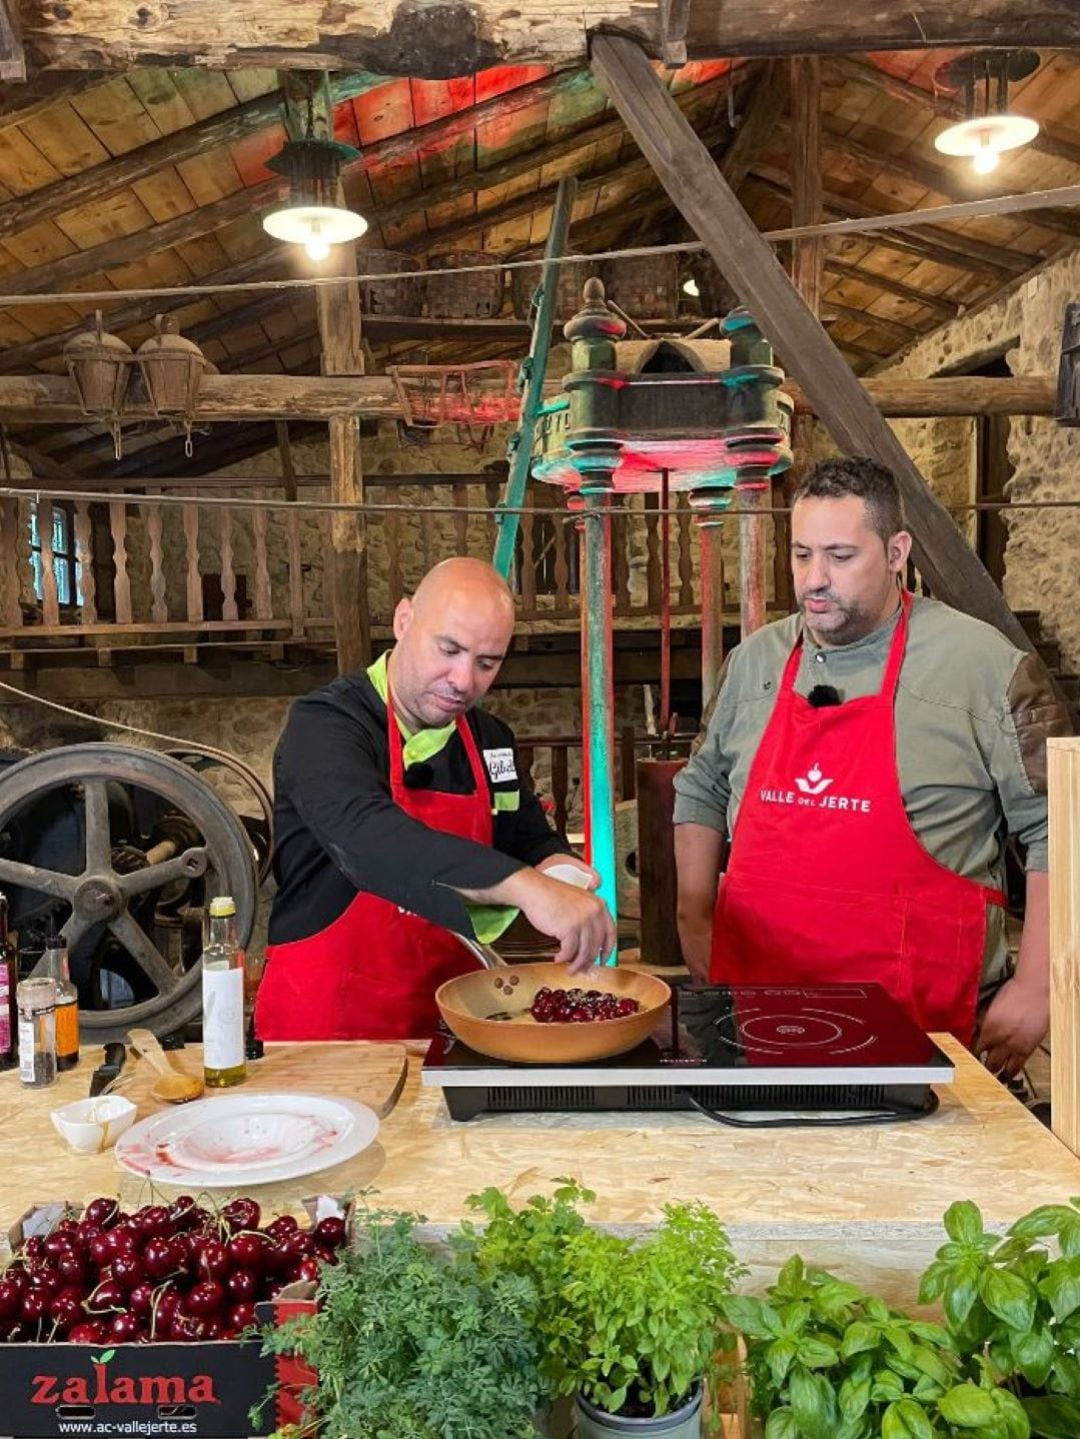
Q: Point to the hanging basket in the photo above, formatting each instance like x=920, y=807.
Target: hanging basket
x=570, y=280
x=403, y=295
x=472, y=296
x=475, y=396
x=645, y=286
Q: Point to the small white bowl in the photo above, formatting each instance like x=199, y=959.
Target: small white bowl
x=91, y=1125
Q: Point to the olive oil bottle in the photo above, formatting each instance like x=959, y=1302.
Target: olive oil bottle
x=223, y=999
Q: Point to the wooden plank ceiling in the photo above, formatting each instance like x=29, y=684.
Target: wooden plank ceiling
x=157, y=177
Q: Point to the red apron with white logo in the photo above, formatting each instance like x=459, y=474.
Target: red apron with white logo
x=827, y=882
x=373, y=972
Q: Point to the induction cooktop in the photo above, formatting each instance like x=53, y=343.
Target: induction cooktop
x=753, y=1048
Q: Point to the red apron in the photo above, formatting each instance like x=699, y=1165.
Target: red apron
x=373, y=972
x=827, y=882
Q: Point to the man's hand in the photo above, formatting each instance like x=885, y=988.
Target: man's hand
x=571, y=860
x=699, y=852
x=576, y=917
x=1014, y=1026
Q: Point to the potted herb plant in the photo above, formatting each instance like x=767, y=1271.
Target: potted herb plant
x=825, y=1360
x=631, y=1327
x=415, y=1342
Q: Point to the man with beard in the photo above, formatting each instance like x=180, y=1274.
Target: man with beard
x=400, y=819
x=861, y=767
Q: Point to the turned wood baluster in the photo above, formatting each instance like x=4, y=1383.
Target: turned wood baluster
x=85, y=584
x=11, y=554
x=296, y=573
x=121, y=579
x=527, y=577
x=159, y=610
x=686, y=555
x=263, y=598
x=50, y=604
x=194, y=578
x=228, y=573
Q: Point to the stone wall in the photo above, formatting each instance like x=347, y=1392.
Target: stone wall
x=1043, y=546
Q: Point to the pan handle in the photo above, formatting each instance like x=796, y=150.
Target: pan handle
x=483, y=953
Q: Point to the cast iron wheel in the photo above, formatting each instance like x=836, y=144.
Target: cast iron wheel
x=100, y=896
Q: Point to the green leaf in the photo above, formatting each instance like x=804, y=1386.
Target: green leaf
x=779, y=1356
x=906, y=1420
x=1009, y=1297
x=1066, y=1375
x=963, y=1222
x=967, y=1406
x=1061, y=1286
x=1052, y=1416
x=1069, y=1238
x=1011, y=1413
x=932, y=1283
x=858, y=1338
x=813, y=1403
x=961, y=1292
x=751, y=1317
x=1041, y=1223
x=1033, y=1354
x=853, y=1398
x=104, y=1358
x=816, y=1353
x=781, y=1425
x=887, y=1387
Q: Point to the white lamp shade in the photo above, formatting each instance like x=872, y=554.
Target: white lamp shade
x=993, y=133
x=317, y=225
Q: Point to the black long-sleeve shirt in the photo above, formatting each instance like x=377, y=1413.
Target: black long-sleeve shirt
x=338, y=832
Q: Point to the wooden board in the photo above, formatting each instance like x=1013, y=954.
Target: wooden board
x=36, y=1164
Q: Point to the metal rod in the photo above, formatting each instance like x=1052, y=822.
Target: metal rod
x=598, y=683
x=535, y=369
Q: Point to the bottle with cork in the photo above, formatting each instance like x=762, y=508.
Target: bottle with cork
x=54, y=965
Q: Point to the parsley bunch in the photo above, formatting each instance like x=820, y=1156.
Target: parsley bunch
x=411, y=1342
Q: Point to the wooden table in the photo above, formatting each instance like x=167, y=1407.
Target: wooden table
x=867, y=1202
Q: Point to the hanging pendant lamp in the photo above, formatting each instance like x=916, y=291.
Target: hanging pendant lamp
x=989, y=129
x=312, y=217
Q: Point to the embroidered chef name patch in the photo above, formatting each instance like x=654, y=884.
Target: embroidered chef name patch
x=500, y=765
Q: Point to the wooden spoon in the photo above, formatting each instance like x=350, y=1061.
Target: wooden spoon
x=173, y=1087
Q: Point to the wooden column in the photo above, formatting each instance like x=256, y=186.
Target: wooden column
x=1063, y=757
x=690, y=176
x=339, y=331
x=750, y=498
x=710, y=528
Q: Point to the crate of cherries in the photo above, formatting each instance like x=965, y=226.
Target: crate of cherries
x=172, y=1272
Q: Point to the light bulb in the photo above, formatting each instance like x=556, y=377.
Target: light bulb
x=985, y=156
x=317, y=249
x=690, y=287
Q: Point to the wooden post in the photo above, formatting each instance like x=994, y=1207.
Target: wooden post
x=751, y=497
x=710, y=525
x=690, y=176
x=1063, y=760
x=339, y=330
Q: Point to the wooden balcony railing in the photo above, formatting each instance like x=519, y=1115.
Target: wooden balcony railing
x=240, y=559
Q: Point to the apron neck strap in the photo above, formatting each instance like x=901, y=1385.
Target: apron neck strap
x=893, y=664
x=396, y=744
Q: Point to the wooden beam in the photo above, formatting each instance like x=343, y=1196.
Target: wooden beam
x=338, y=310
x=892, y=329
x=962, y=252
x=306, y=34
x=947, y=107
x=690, y=176
x=12, y=55
x=100, y=181
x=806, y=183
x=21, y=102
x=946, y=308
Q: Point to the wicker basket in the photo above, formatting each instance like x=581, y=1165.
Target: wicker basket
x=475, y=296
x=403, y=296
x=645, y=286
x=568, y=297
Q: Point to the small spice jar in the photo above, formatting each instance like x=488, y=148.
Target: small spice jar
x=37, y=1032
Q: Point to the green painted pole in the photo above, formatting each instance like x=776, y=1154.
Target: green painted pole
x=598, y=683
x=534, y=370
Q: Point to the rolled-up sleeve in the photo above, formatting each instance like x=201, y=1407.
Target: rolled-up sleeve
x=1033, y=713
x=703, y=785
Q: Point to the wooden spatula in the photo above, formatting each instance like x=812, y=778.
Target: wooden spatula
x=173, y=1087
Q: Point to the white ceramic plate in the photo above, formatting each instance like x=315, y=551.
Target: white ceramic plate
x=246, y=1139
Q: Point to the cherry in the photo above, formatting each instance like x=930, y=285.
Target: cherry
x=153, y=1219
x=248, y=1250
x=88, y=1332
x=108, y=1295
x=243, y=1285
x=34, y=1305
x=66, y=1309
x=205, y=1298
x=213, y=1262
x=164, y=1309
x=125, y=1328
x=324, y=1255
x=298, y=1245
x=10, y=1297
x=46, y=1281
x=241, y=1317
x=103, y=1212
x=331, y=1231
x=209, y=1327
x=128, y=1270
x=34, y=1249
x=72, y=1268
x=303, y=1270
x=184, y=1327
x=242, y=1214
x=101, y=1250
x=282, y=1226
x=162, y=1256
x=57, y=1245
x=141, y=1298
